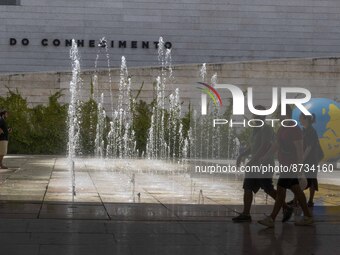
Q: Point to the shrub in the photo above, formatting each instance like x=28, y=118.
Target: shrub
x=37, y=130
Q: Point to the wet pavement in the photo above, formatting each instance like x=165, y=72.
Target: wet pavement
x=138, y=207
x=177, y=235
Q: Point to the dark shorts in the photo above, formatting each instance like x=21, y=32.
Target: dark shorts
x=311, y=173
x=312, y=182
x=254, y=184
x=287, y=183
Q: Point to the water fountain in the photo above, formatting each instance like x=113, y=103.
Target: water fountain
x=158, y=146
x=169, y=146
x=99, y=141
x=73, y=113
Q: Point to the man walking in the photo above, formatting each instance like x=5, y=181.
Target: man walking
x=261, y=140
x=290, y=152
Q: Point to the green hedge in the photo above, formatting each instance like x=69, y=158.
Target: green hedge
x=43, y=129
x=37, y=130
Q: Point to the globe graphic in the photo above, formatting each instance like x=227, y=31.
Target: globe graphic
x=327, y=125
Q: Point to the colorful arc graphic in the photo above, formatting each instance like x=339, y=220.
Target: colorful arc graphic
x=211, y=95
x=211, y=92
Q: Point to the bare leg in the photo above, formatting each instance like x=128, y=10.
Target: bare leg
x=279, y=201
x=273, y=193
x=247, y=201
x=300, y=196
x=295, y=201
x=311, y=193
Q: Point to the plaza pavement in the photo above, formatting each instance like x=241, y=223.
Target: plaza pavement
x=141, y=207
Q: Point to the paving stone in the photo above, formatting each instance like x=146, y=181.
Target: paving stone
x=172, y=224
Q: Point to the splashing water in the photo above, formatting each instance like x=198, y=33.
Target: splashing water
x=99, y=141
x=215, y=134
x=121, y=138
x=203, y=72
x=73, y=114
x=214, y=80
x=166, y=138
x=161, y=144
x=104, y=42
x=73, y=110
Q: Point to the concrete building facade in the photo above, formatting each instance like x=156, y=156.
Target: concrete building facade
x=35, y=34
x=319, y=75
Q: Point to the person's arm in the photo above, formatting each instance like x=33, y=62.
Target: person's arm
x=299, y=150
x=1, y=126
x=311, y=142
x=306, y=153
x=243, y=154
